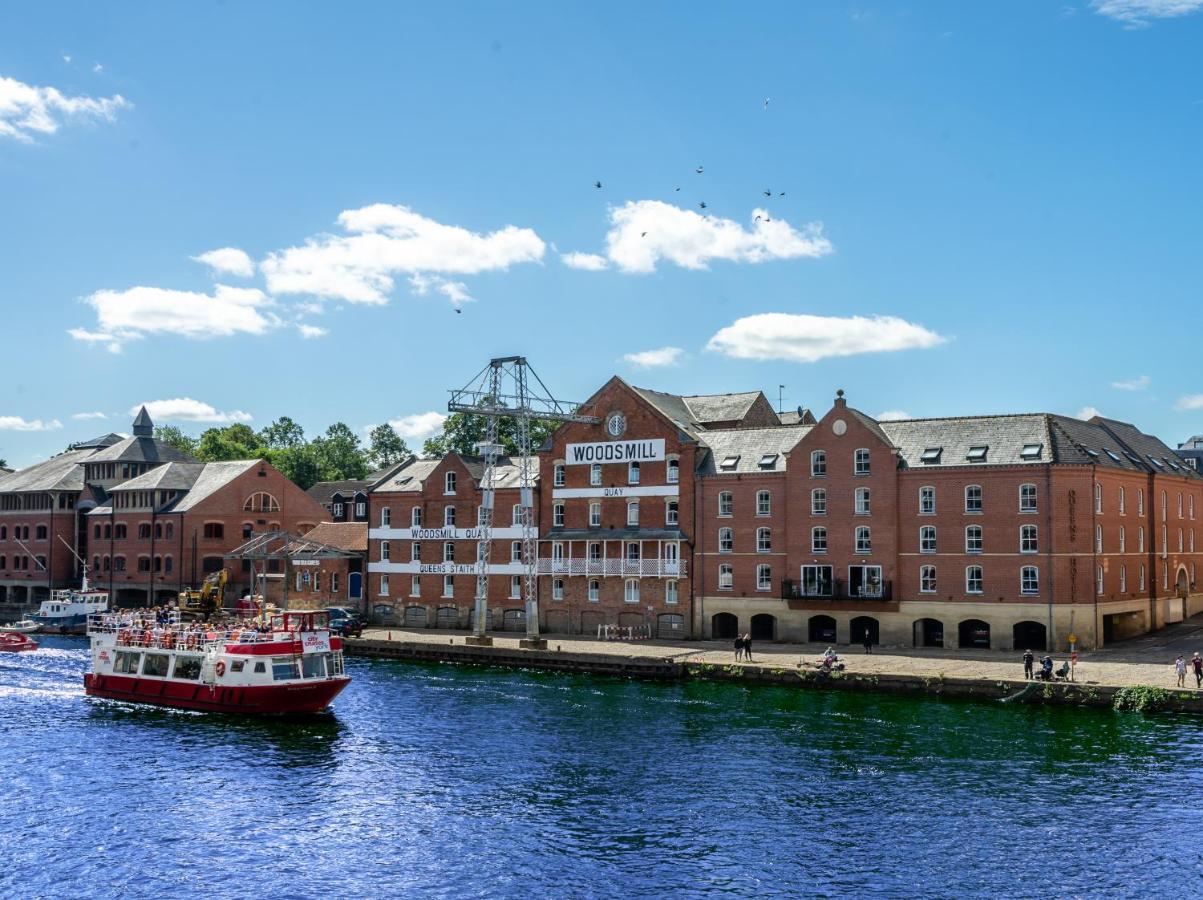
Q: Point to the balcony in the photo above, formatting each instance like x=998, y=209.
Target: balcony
x=654, y=568
x=837, y=589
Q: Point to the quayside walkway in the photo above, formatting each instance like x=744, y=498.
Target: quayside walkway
x=1146, y=660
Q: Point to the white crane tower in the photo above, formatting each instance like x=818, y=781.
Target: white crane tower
x=509, y=388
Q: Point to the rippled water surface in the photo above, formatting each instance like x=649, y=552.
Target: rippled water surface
x=447, y=781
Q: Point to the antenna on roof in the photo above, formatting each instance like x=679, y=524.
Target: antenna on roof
x=780, y=398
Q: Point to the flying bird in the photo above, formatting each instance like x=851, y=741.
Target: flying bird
x=782, y=194
x=458, y=310
x=698, y=170
x=702, y=204
x=766, y=102
x=676, y=189
x=767, y=192
x=758, y=218
x=597, y=184
x=643, y=234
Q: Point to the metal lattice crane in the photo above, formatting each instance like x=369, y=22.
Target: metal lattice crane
x=509, y=387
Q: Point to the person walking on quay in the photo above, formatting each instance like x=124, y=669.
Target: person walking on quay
x=1180, y=670
x=1196, y=662
x=739, y=648
x=867, y=641
x=748, y=647
x=1029, y=659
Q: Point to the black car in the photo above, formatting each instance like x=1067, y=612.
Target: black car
x=345, y=622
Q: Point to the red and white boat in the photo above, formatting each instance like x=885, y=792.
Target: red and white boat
x=294, y=666
x=15, y=642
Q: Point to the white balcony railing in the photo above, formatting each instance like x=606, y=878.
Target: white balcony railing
x=661, y=568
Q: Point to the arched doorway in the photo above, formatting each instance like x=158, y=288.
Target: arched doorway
x=821, y=630
x=631, y=620
x=1029, y=636
x=764, y=627
x=860, y=625
x=447, y=617
x=591, y=621
x=415, y=617
x=973, y=634
x=929, y=633
x=1181, y=584
x=128, y=598
x=557, y=621
x=513, y=620
x=670, y=627
x=384, y=613
x=724, y=626
x=355, y=586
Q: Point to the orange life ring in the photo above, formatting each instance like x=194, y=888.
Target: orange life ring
x=220, y=668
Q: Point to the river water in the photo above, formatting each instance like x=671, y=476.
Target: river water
x=444, y=781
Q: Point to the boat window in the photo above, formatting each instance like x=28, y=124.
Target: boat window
x=155, y=665
x=126, y=663
x=283, y=668
x=237, y=665
x=260, y=667
x=313, y=666
x=187, y=667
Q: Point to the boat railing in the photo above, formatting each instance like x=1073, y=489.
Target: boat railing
x=172, y=636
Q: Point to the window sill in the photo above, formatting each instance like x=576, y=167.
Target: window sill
x=973, y=512
x=818, y=552
x=818, y=515
x=863, y=552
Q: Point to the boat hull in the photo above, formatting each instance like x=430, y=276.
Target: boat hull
x=12, y=642
x=290, y=699
x=61, y=624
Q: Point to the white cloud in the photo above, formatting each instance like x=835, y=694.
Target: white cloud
x=806, y=338
x=418, y=426
x=644, y=232
x=185, y=409
x=67, y=58
x=590, y=262
x=26, y=111
x=1087, y=412
x=97, y=67
x=228, y=261
x=311, y=331
x=1134, y=384
x=893, y=415
x=138, y=311
x=385, y=241
x=1136, y=13
x=82, y=416
x=456, y=292
x=1189, y=402
x=646, y=359
x=16, y=423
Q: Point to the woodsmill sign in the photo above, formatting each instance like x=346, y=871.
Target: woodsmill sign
x=614, y=452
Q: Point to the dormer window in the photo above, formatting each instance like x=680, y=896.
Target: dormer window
x=1031, y=451
x=1093, y=454
x=977, y=454
x=1112, y=454
x=931, y=454
x=729, y=463
x=768, y=461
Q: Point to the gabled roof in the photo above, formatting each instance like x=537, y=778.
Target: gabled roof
x=1004, y=436
x=409, y=477
x=507, y=473
x=748, y=447
x=173, y=476
x=351, y=536
x=141, y=449
x=59, y=473
x=323, y=492
x=707, y=408
x=199, y=481
x=105, y=440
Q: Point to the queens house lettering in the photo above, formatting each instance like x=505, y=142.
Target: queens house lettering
x=614, y=452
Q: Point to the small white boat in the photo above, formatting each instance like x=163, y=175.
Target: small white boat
x=25, y=626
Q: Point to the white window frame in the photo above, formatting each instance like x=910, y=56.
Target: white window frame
x=630, y=591
x=385, y=549
x=1028, y=498
x=726, y=540
x=415, y=551
x=764, y=540
x=969, y=580
x=927, y=574
x=557, y=589
x=1029, y=581
x=448, y=585
x=383, y=586
x=927, y=500
x=764, y=503
x=764, y=577
x=1123, y=502
x=861, y=502
x=861, y=461
x=558, y=474
x=633, y=472
x=557, y=515
x=672, y=513
x=671, y=592
x=632, y=513
x=515, y=587
x=1098, y=497
x=726, y=577
x=594, y=590
x=448, y=551
x=386, y=517
x=516, y=551
x=449, y=516
x=415, y=517
x=415, y=585
x=595, y=474
x=595, y=515
x=863, y=539
x=927, y=539
x=726, y=504
x=818, y=463
x=818, y=502
x=672, y=470
x=1029, y=539
x=1123, y=578
x=815, y=533
x=449, y=484
x=974, y=503
x=974, y=534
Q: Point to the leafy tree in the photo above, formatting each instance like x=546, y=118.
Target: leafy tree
x=386, y=447
x=282, y=433
x=339, y=454
x=237, y=441
x=3, y=463
x=462, y=432
x=175, y=437
x=298, y=464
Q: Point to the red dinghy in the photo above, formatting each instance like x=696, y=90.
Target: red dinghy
x=15, y=643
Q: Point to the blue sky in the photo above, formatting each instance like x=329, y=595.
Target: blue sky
x=1006, y=194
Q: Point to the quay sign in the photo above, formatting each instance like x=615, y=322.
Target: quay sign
x=614, y=452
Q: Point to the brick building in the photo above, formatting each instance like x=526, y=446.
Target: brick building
x=149, y=519
x=334, y=582
x=423, y=544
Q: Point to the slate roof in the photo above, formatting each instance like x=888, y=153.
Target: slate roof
x=199, y=481
x=350, y=536
x=105, y=440
x=750, y=445
x=141, y=449
x=323, y=492
x=409, y=477
x=59, y=473
x=173, y=476
x=673, y=408
x=507, y=473
x=707, y=408
x=800, y=416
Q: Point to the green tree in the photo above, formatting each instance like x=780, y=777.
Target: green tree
x=462, y=432
x=339, y=454
x=175, y=437
x=282, y=433
x=386, y=447
x=232, y=442
x=300, y=465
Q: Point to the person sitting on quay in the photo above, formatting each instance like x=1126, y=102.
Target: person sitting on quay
x=1046, y=668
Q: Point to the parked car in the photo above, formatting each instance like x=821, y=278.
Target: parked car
x=345, y=621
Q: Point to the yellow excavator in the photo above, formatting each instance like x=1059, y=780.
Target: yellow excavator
x=209, y=598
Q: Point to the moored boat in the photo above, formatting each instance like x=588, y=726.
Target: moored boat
x=25, y=626
x=291, y=664
x=67, y=611
x=12, y=642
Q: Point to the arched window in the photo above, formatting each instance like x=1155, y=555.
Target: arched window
x=633, y=473
x=1180, y=504
x=1142, y=576
x=1123, y=540
x=558, y=475
x=1180, y=545
x=927, y=539
x=864, y=540
x=764, y=540
x=1027, y=498
x=595, y=514
x=673, y=471
x=261, y=501
x=1098, y=497
x=449, y=483
x=1140, y=539
x=448, y=516
x=1123, y=506
x=1140, y=501
x=818, y=540
x=415, y=517
x=862, y=501
x=1163, y=505
x=449, y=551
x=594, y=591
x=1123, y=578
x=595, y=473
x=1098, y=538
x=973, y=579
x=670, y=513
x=632, y=514
x=818, y=463
x=1028, y=542
x=1098, y=581
x=927, y=579
x=726, y=540
x=973, y=539
x=385, y=550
